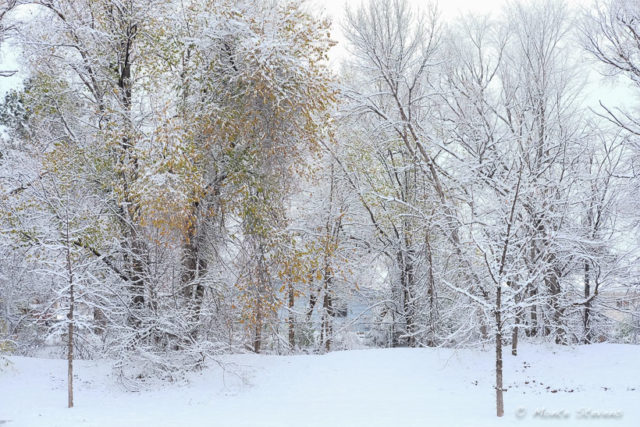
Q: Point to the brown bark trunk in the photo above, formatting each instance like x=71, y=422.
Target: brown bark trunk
x=498, y=319
x=194, y=267
x=408, y=300
x=498, y=307
x=137, y=283
x=257, y=338
x=483, y=331
x=313, y=299
x=587, y=304
x=128, y=173
x=532, y=331
x=553, y=284
x=432, y=295
x=70, y=331
x=291, y=321
x=406, y=285
x=327, y=313
x=516, y=327
x=514, y=337
x=70, y=354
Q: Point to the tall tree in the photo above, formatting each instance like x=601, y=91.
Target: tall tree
x=398, y=180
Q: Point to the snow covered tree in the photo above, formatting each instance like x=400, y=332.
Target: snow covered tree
x=389, y=100
x=58, y=225
x=182, y=131
x=258, y=89
x=610, y=33
x=189, y=177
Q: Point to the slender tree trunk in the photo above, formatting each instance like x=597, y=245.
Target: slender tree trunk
x=313, y=298
x=432, y=295
x=70, y=351
x=257, y=338
x=532, y=289
x=498, y=319
x=137, y=285
x=406, y=284
x=261, y=292
x=483, y=332
x=291, y=320
x=587, y=267
x=498, y=307
x=195, y=263
x=514, y=336
x=553, y=284
x=587, y=304
x=128, y=170
x=516, y=327
x=532, y=331
x=70, y=319
x=194, y=267
x=327, y=312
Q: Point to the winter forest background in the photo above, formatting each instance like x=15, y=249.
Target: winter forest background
x=185, y=179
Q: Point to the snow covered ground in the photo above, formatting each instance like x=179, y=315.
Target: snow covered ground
x=548, y=385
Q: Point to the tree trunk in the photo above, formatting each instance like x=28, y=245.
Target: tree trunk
x=257, y=338
x=136, y=274
x=406, y=283
x=587, y=304
x=70, y=319
x=291, y=320
x=327, y=313
x=484, y=332
x=431, y=340
x=70, y=351
x=194, y=266
x=498, y=319
x=313, y=299
x=516, y=327
x=514, y=336
x=262, y=296
x=128, y=170
x=553, y=284
x=532, y=330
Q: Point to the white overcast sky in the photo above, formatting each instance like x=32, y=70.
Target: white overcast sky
x=334, y=9
x=612, y=93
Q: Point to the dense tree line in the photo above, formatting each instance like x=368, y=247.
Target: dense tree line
x=183, y=179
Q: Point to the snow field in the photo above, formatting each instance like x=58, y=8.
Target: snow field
x=595, y=385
